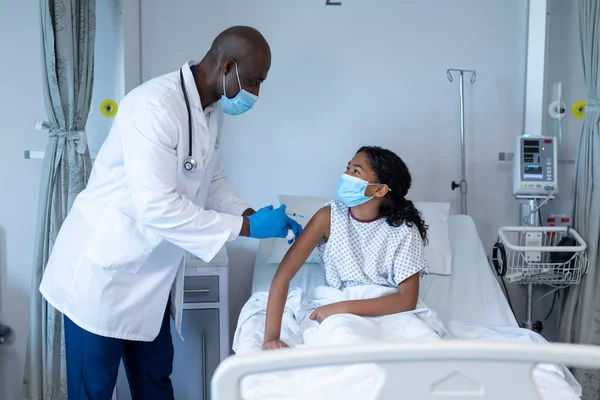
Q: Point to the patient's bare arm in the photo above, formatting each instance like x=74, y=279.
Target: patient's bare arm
x=403, y=300
x=316, y=230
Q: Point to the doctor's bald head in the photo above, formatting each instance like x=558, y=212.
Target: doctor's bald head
x=239, y=51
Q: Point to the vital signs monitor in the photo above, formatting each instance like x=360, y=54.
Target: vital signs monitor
x=535, y=166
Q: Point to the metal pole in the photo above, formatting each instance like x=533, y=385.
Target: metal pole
x=528, y=323
x=463, y=182
x=533, y=220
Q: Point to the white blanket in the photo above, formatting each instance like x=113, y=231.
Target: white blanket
x=359, y=381
x=299, y=330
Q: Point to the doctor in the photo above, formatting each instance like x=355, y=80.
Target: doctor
x=156, y=191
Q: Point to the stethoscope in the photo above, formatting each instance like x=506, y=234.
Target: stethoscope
x=189, y=164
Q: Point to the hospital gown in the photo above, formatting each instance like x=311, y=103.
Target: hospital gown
x=370, y=252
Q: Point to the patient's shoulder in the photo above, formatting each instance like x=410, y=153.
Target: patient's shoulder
x=322, y=221
x=324, y=213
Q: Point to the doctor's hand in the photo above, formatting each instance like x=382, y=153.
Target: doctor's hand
x=274, y=344
x=271, y=223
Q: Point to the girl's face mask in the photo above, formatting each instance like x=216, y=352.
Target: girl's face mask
x=351, y=190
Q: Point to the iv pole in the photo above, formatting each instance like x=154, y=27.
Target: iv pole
x=463, y=182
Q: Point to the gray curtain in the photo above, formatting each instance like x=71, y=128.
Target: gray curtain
x=68, y=30
x=580, y=321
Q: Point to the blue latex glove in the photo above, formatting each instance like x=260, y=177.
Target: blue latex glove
x=272, y=223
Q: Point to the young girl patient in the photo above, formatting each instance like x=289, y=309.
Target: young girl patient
x=372, y=235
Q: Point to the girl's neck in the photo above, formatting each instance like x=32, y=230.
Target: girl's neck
x=367, y=212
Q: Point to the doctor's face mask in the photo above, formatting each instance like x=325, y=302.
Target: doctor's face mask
x=239, y=104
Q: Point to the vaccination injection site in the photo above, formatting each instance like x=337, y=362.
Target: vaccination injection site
x=300, y=200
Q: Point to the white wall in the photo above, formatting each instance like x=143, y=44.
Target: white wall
x=107, y=71
x=563, y=64
x=21, y=104
x=362, y=73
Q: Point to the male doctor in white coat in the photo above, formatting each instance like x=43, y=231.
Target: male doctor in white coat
x=116, y=269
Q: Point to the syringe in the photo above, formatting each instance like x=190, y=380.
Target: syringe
x=294, y=215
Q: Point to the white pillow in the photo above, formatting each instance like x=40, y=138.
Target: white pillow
x=438, y=252
x=306, y=206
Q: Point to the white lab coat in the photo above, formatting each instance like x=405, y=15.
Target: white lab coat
x=120, y=250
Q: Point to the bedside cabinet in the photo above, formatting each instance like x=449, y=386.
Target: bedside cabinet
x=205, y=327
x=205, y=330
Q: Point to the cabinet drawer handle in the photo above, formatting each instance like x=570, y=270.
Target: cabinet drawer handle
x=204, y=388
x=196, y=291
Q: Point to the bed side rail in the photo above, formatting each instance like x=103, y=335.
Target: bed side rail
x=445, y=369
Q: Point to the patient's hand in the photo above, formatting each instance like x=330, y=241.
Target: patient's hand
x=274, y=344
x=323, y=312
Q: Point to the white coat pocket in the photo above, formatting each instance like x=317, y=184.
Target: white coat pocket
x=120, y=243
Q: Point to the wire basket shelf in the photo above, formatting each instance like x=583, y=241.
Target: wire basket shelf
x=554, y=256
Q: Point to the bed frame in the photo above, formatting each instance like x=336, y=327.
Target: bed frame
x=444, y=369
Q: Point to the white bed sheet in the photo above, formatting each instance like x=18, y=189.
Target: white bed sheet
x=471, y=294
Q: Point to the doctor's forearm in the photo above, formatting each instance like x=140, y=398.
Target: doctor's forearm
x=248, y=212
x=245, y=231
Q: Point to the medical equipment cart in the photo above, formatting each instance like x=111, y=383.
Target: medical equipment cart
x=553, y=256
x=205, y=329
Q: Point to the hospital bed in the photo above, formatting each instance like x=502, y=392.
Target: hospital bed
x=456, y=368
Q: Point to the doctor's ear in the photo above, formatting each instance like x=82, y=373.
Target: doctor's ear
x=228, y=66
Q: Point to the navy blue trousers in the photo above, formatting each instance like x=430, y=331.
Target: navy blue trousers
x=93, y=364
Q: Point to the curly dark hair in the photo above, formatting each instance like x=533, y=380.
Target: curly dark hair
x=392, y=171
